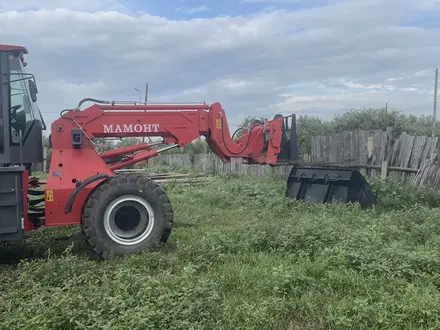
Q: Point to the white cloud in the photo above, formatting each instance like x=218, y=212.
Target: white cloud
x=409, y=89
x=304, y=60
x=351, y=84
x=233, y=84
x=193, y=10
x=393, y=79
x=423, y=73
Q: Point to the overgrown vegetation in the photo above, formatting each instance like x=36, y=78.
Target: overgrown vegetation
x=241, y=256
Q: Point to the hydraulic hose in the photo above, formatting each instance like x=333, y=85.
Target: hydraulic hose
x=224, y=142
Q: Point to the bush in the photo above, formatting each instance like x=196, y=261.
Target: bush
x=394, y=195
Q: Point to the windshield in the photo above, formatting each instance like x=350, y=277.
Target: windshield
x=22, y=108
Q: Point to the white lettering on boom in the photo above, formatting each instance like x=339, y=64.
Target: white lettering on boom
x=130, y=128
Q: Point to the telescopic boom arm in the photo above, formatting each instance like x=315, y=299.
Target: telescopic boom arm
x=178, y=125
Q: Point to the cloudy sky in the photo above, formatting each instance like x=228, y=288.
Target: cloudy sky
x=256, y=57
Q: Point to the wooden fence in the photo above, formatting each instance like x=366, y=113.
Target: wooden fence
x=376, y=151
x=210, y=162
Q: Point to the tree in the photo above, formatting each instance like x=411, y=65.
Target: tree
x=372, y=119
x=306, y=128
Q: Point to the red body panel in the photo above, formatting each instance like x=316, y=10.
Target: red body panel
x=177, y=124
x=69, y=165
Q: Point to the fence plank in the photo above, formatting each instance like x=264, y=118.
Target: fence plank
x=376, y=160
x=396, y=152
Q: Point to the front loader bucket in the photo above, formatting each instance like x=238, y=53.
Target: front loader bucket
x=329, y=185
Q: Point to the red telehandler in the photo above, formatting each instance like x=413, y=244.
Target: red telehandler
x=118, y=212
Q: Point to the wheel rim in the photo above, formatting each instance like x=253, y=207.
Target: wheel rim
x=129, y=220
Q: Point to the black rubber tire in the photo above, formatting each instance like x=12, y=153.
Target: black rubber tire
x=92, y=222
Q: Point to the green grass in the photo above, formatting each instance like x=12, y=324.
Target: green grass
x=241, y=256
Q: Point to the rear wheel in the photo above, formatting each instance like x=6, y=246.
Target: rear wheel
x=126, y=214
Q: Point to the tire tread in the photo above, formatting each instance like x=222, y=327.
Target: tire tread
x=90, y=209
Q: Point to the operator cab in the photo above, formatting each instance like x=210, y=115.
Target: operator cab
x=21, y=142
x=21, y=123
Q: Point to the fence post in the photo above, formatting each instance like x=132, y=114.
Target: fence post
x=384, y=170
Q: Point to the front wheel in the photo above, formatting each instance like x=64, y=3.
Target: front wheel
x=126, y=214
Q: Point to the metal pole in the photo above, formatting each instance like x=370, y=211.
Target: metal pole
x=146, y=100
x=140, y=95
x=434, y=115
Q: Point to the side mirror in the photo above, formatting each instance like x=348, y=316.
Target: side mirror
x=33, y=90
